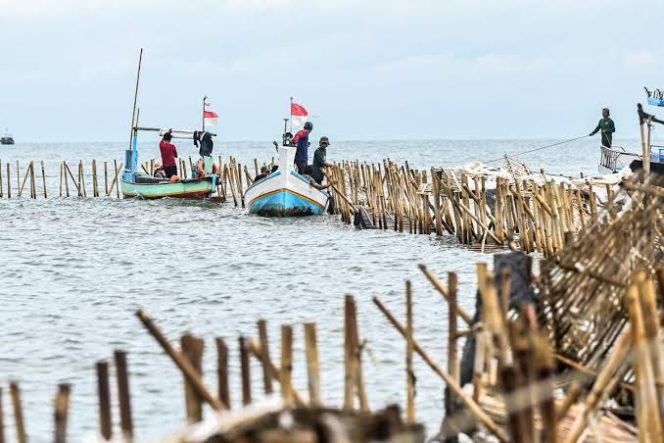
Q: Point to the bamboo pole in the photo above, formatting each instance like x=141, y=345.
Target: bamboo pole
x=265, y=355
x=15, y=392
x=43, y=171
x=222, y=372
x=183, y=364
x=192, y=350
x=245, y=371
x=410, y=374
x=1, y=193
x=473, y=407
x=313, y=366
x=124, y=396
x=9, y=186
x=106, y=178
x=104, y=395
x=286, y=372
x=452, y=359
x=61, y=414
x=2, y=413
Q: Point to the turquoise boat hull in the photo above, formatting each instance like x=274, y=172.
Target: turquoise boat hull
x=285, y=203
x=196, y=189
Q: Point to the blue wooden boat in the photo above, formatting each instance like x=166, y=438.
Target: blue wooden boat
x=285, y=192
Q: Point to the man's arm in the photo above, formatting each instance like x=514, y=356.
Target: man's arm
x=596, y=130
x=319, y=187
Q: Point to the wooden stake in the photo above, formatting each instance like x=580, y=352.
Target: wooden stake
x=265, y=355
x=313, y=367
x=192, y=350
x=43, y=171
x=104, y=394
x=222, y=372
x=124, y=396
x=473, y=407
x=287, y=365
x=15, y=392
x=182, y=363
x=410, y=374
x=245, y=368
x=61, y=412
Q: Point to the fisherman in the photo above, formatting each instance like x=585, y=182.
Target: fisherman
x=168, y=155
x=205, y=165
x=264, y=173
x=607, y=128
x=308, y=170
x=320, y=160
x=301, y=141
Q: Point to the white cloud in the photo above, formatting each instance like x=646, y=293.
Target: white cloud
x=640, y=59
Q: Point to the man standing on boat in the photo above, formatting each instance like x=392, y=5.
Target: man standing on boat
x=301, y=141
x=168, y=155
x=320, y=160
x=607, y=128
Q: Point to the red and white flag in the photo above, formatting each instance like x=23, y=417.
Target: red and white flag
x=210, y=117
x=299, y=116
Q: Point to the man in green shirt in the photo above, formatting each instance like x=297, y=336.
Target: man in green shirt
x=607, y=128
x=320, y=159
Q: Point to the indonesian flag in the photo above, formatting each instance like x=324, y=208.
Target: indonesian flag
x=299, y=116
x=210, y=117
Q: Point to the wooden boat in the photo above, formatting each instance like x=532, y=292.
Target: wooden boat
x=285, y=192
x=6, y=139
x=137, y=183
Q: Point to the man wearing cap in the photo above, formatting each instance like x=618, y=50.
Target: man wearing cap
x=320, y=159
x=607, y=127
x=301, y=141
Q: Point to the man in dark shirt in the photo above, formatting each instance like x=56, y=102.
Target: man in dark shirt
x=320, y=160
x=301, y=141
x=607, y=127
x=168, y=155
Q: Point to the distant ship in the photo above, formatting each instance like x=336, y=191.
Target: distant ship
x=6, y=139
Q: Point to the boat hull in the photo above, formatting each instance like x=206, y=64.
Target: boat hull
x=190, y=189
x=285, y=193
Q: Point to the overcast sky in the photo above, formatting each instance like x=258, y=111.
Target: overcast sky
x=371, y=69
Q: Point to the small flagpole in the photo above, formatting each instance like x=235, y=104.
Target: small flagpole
x=133, y=112
x=291, y=115
x=204, y=98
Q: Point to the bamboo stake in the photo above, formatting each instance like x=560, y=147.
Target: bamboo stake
x=106, y=177
x=15, y=392
x=192, y=350
x=276, y=374
x=222, y=372
x=245, y=371
x=104, y=395
x=124, y=397
x=287, y=365
x=313, y=371
x=410, y=374
x=9, y=186
x=61, y=412
x=1, y=194
x=183, y=364
x=473, y=407
x=452, y=360
x=43, y=171
x=265, y=355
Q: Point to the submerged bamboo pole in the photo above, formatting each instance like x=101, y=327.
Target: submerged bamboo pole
x=124, y=396
x=313, y=366
x=21, y=435
x=104, y=394
x=61, y=414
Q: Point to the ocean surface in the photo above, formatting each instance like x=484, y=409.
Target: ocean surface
x=74, y=271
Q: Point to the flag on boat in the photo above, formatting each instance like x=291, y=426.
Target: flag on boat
x=210, y=117
x=299, y=116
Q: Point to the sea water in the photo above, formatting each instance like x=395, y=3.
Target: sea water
x=74, y=271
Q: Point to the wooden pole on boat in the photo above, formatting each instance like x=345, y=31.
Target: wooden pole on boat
x=192, y=350
x=222, y=372
x=104, y=394
x=313, y=366
x=15, y=392
x=61, y=414
x=265, y=355
x=133, y=111
x=124, y=396
x=182, y=363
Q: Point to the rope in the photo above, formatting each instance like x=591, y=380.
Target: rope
x=536, y=149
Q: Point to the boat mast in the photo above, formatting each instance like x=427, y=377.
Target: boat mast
x=291, y=115
x=132, y=132
x=204, y=98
